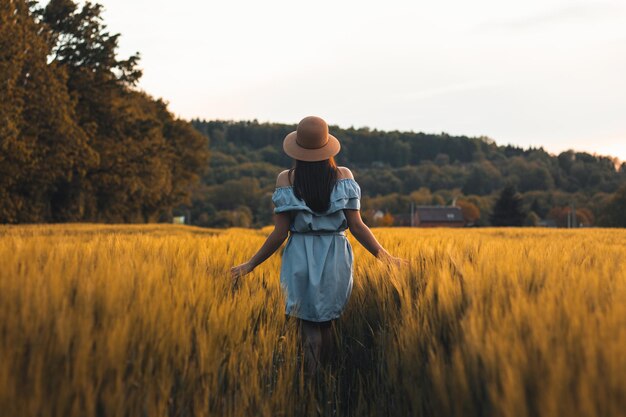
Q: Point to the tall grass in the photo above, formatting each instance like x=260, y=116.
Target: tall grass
x=142, y=321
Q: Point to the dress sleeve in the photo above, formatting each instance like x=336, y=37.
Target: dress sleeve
x=285, y=200
x=347, y=195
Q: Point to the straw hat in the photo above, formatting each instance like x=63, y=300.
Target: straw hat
x=311, y=141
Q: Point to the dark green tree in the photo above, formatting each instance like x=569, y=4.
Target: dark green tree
x=614, y=214
x=483, y=179
x=507, y=210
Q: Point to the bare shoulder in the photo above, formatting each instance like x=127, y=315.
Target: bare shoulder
x=283, y=179
x=344, y=172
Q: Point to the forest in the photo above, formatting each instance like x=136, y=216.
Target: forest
x=397, y=168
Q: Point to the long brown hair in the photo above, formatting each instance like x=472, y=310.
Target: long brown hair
x=314, y=181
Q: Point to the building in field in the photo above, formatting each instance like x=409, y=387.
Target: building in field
x=427, y=216
x=437, y=216
x=432, y=216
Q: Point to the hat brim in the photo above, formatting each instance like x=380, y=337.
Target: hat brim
x=291, y=148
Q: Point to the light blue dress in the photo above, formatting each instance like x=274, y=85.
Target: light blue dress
x=316, y=268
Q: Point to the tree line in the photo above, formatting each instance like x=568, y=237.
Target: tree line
x=78, y=140
x=396, y=169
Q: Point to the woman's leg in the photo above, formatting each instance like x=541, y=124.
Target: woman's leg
x=311, y=344
x=327, y=349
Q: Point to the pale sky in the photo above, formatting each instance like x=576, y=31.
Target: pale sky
x=548, y=73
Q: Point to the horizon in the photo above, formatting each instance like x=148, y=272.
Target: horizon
x=545, y=73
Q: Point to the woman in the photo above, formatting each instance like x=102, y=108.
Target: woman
x=315, y=201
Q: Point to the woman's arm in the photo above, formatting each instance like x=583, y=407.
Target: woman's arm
x=272, y=243
x=274, y=240
x=365, y=237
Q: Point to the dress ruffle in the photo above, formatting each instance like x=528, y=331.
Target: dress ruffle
x=345, y=195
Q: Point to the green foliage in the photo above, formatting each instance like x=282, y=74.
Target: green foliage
x=532, y=219
x=78, y=142
x=614, y=214
x=508, y=209
x=483, y=178
x=42, y=144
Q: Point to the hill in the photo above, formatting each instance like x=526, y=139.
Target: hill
x=396, y=168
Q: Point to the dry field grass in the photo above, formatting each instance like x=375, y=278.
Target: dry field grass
x=101, y=320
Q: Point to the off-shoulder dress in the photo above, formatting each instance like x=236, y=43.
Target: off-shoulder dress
x=317, y=262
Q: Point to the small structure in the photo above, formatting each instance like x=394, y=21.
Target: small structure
x=378, y=215
x=546, y=223
x=178, y=220
x=438, y=216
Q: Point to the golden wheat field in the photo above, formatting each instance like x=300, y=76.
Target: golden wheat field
x=101, y=320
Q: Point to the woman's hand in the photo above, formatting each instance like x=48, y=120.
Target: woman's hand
x=240, y=270
x=387, y=258
x=398, y=261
